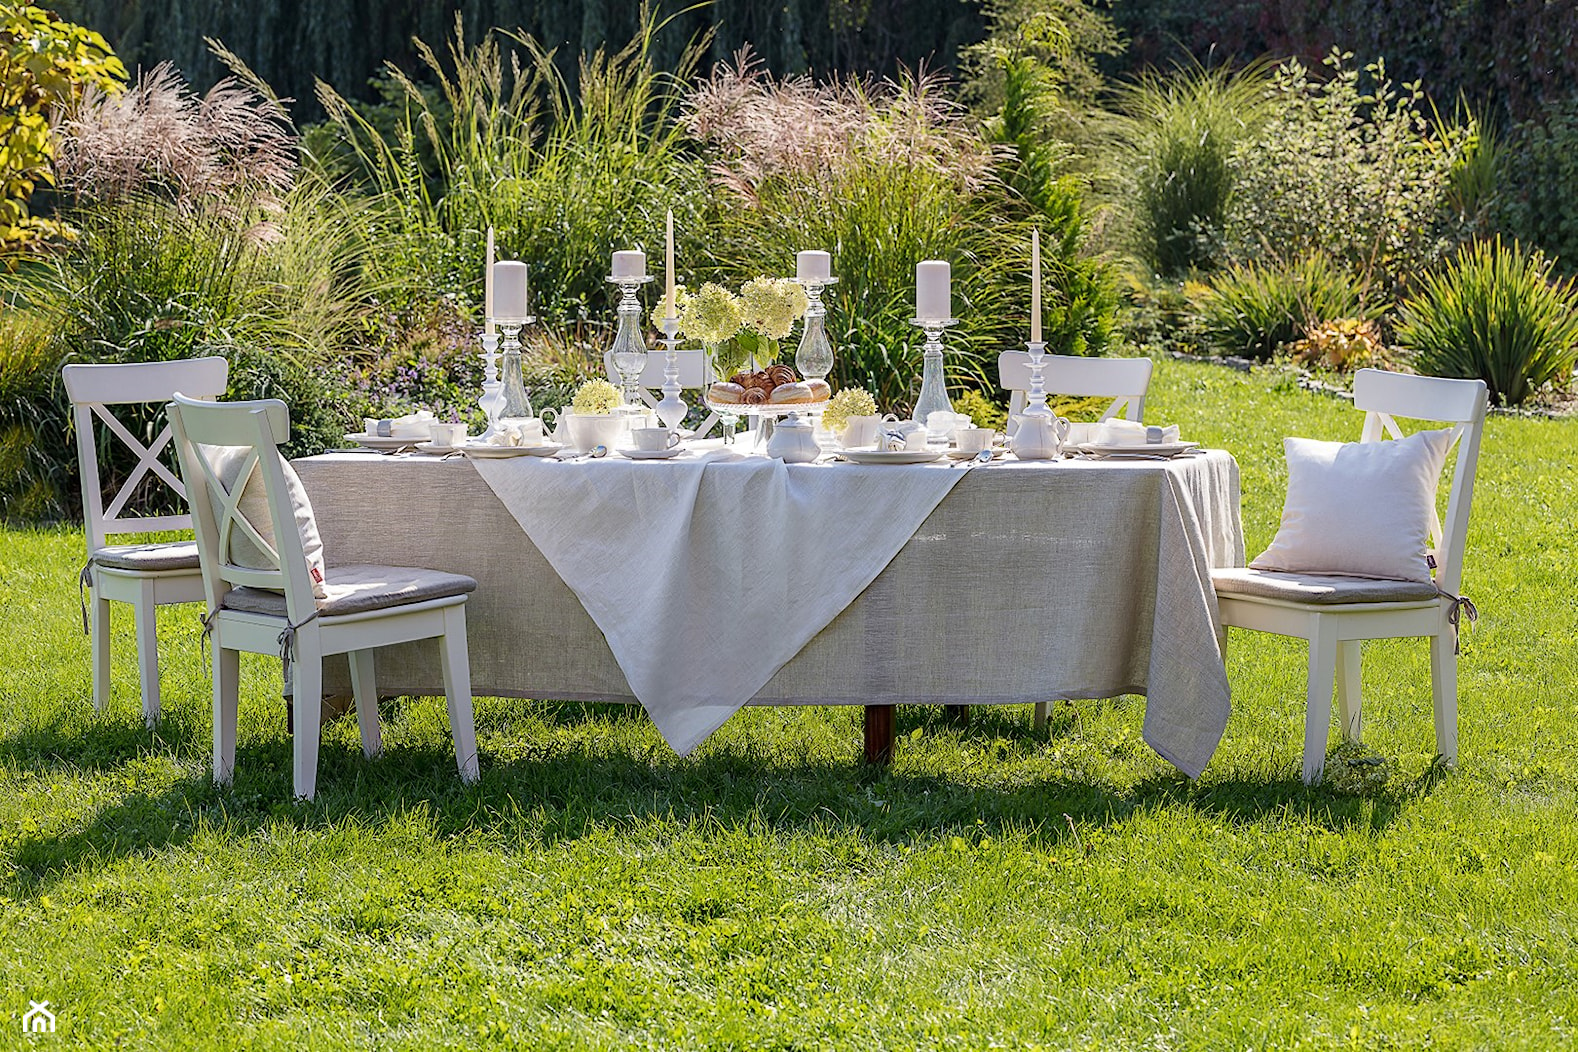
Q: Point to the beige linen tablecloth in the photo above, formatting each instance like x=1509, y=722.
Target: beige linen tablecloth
x=1026, y=583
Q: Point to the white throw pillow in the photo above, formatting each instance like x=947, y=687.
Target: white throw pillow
x=1365, y=509
x=226, y=462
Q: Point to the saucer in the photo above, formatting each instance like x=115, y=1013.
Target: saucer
x=651, y=454
x=1136, y=449
x=959, y=454
x=890, y=456
x=437, y=450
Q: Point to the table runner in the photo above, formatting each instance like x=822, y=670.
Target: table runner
x=1027, y=583
x=706, y=574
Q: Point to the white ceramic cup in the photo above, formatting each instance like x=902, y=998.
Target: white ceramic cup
x=654, y=439
x=862, y=432
x=973, y=439
x=1081, y=431
x=447, y=436
x=915, y=441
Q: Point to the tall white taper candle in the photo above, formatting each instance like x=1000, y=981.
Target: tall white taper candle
x=668, y=267
x=1035, y=286
x=487, y=289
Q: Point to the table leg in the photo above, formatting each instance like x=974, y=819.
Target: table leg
x=958, y=714
x=879, y=734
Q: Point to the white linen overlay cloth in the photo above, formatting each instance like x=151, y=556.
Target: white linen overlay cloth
x=707, y=574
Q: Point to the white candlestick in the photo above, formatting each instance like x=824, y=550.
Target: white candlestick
x=933, y=301
x=1035, y=286
x=487, y=290
x=813, y=266
x=668, y=266
x=631, y=264
x=509, y=278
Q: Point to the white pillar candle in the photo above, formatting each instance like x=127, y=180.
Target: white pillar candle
x=487, y=289
x=813, y=266
x=1035, y=286
x=631, y=264
x=509, y=280
x=933, y=301
x=668, y=268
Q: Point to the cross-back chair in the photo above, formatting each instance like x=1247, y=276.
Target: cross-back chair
x=1124, y=380
x=1335, y=613
x=259, y=587
x=146, y=576
x=695, y=372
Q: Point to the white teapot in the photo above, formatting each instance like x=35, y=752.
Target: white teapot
x=1038, y=437
x=794, y=441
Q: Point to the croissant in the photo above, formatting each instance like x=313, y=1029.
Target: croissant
x=781, y=374
x=755, y=395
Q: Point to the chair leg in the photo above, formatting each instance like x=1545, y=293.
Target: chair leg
x=227, y=694
x=1350, y=698
x=99, y=643
x=1443, y=691
x=307, y=694
x=1317, y=702
x=456, y=663
x=145, y=613
x=1040, y=722
x=364, y=685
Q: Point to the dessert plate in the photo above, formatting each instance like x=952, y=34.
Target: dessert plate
x=891, y=456
x=490, y=452
x=384, y=443
x=651, y=454
x=1136, y=449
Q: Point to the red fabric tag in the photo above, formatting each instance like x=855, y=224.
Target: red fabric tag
x=317, y=574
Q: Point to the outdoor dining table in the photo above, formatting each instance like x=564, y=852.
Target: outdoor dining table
x=1026, y=582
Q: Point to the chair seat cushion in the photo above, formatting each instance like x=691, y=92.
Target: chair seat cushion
x=173, y=555
x=358, y=589
x=1320, y=589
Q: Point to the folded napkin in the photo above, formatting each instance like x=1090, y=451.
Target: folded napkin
x=1134, y=433
x=412, y=425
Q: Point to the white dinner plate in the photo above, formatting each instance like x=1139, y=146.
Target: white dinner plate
x=487, y=451
x=651, y=454
x=384, y=442
x=1136, y=449
x=891, y=456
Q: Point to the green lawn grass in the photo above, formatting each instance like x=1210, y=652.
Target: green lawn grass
x=993, y=888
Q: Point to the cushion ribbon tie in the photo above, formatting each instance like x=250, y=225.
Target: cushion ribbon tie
x=1461, y=606
x=84, y=582
x=287, y=646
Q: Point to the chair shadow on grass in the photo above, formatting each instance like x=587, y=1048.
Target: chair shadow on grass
x=566, y=786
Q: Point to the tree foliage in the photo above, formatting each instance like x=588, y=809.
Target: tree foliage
x=45, y=64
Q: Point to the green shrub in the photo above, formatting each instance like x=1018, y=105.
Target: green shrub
x=1539, y=207
x=1178, y=135
x=1255, y=309
x=1494, y=314
x=35, y=480
x=1352, y=170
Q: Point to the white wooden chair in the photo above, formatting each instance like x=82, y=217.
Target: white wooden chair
x=695, y=372
x=226, y=450
x=1124, y=380
x=1335, y=614
x=144, y=575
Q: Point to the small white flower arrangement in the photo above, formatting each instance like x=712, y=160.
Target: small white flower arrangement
x=850, y=402
x=595, y=397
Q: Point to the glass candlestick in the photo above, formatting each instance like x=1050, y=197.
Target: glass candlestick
x=814, y=359
x=671, y=410
x=630, y=350
x=1036, y=398
x=514, y=406
x=492, y=387
x=934, y=390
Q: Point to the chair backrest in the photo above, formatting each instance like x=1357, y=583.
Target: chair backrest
x=1462, y=403
x=694, y=371
x=1124, y=380
x=92, y=389
x=225, y=449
